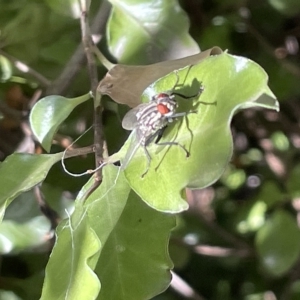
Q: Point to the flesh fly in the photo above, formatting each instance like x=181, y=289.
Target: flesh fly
x=149, y=120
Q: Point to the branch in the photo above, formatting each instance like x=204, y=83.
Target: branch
x=209, y=223
x=10, y=112
x=92, y=69
x=79, y=151
x=77, y=61
x=183, y=288
x=26, y=69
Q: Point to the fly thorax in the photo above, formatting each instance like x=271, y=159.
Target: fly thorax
x=156, y=115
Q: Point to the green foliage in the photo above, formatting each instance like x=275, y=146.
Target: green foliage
x=48, y=114
x=208, y=129
x=288, y=7
x=75, y=246
x=116, y=235
x=22, y=172
x=23, y=236
x=238, y=237
x=278, y=243
x=144, y=19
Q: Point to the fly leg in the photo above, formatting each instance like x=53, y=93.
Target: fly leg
x=148, y=160
x=182, y=114
x=187, y=153
x=177, y=79
x=201, y=89
x=159, y=136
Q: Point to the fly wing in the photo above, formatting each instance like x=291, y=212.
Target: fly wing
x=129, y=121
x=134, y=145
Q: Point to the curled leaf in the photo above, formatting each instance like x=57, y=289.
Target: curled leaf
x=125, y=84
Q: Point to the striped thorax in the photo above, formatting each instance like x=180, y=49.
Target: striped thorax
x=155, y=115
x=148, y=122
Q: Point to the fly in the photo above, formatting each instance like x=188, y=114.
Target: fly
x=149, y=120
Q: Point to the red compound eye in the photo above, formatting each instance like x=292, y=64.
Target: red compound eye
x=163, y=109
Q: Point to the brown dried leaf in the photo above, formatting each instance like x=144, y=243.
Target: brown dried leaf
x=125, y=84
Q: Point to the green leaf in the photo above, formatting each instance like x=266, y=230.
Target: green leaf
x=30, y=287
x=24, y=208
x=251, y=217
x=230, y=83
x=28, y=24
x=21, y=172
x=69, y=8
x=23, y=236
x=280, y=141
x=286, y=7
x=278, y=243
x=158, y=31
x=5, y=69
x=49, y=113
x=271, y=194
x=8, y=295
x=75, y=250
x=69, y=272
x=293, y=182
x=134, y=238
x=233, y=178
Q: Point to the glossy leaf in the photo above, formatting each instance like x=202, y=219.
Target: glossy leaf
x=134, y=238
x=117, y=235
x=78, y=245
x=278, y=243
x=21, y=172
x=69, y=272
x=230, y=83
x=159, y=31
x=15, y=237
x=48, y=113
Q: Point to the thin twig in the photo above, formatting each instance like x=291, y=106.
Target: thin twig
x=216, y=229
x=92, y=69
x=78, y=59
x=216, y=251
x=105, y=62
x=183, y=288
x=213, y=251
x=10, y=112
x=79, y=151
x=224, y=234
x=26, y=69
